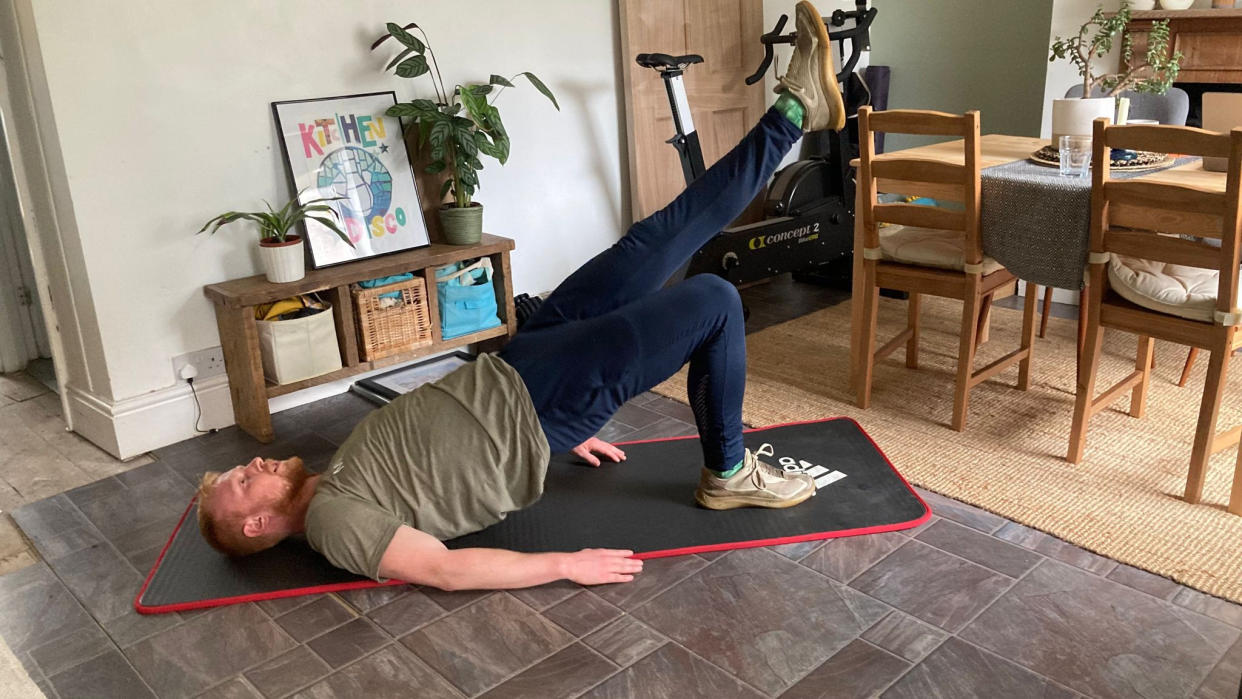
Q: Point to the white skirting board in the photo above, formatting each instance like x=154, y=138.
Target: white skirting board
x=135, y=426
x=1065, y=296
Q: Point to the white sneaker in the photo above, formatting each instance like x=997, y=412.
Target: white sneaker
x=811, y=78
x=756, y=484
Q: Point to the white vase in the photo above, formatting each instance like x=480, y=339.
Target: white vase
x=283, y=262
x=1074, y=117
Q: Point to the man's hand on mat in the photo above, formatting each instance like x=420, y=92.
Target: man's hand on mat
x=599, y=566
x=587, y=450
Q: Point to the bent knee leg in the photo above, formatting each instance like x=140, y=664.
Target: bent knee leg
x=713, y=294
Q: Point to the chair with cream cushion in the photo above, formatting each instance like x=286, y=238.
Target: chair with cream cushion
x=1171, y=108
x=925, y=250
x=1169, y=285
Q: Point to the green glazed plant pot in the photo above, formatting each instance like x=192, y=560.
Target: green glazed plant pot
x=462, y=226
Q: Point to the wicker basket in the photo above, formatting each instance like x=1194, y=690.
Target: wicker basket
x=383, y=332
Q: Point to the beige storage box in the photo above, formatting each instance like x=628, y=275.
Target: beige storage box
x=300, y=348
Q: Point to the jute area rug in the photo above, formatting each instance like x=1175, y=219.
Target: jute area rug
x=1123, y=500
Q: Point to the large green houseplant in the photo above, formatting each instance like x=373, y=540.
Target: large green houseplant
x=282, y=251
x=1153, y=72
x=456, y=127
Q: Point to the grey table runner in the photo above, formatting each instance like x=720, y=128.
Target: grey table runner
x=1037, y=223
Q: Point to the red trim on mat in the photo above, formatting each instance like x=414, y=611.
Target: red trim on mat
x=239, y=599
x=138, y=605
x=363, y=584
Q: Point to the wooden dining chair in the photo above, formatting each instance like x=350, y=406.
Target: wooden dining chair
x=926, y=250
x=1140, y=280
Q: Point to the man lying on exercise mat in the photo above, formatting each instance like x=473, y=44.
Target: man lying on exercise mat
x=455, y=456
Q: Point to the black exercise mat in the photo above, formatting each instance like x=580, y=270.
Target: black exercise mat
x=645, y=504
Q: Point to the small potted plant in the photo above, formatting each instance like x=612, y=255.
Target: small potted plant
x=280, y=250
x=1155, y=73
x=457, y=127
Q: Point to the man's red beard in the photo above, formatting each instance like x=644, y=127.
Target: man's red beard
x=295, y=475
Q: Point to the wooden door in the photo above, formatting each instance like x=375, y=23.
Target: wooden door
x=726, y=34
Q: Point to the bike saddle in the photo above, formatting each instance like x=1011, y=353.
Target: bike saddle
x=663, y=61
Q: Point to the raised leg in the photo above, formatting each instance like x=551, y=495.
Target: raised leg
x=1142, y=362
x=972, y=308
x=1205, y=430
x=1028, y=336
x=656, y=247
x=912, y=322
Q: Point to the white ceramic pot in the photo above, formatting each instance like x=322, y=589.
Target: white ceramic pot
x=1176, y=4
x=1074, y=117
x=283, y=262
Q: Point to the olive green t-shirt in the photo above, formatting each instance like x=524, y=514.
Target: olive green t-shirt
x=448, y=458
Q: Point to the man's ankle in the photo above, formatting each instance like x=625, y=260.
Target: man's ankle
x=791, y=107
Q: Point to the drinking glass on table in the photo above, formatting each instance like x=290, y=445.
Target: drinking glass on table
x=1075, y=156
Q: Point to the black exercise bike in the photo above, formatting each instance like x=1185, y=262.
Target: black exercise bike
x=809, y=208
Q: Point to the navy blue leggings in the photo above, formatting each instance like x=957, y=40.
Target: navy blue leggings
x=612, y=330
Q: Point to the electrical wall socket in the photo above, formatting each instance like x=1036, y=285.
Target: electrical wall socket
x=208, y=362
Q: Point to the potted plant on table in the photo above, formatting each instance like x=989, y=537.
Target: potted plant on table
x=456, y=127
x=1154, y=73
x=280, y=250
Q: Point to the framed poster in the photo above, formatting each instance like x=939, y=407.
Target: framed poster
x=347, y=147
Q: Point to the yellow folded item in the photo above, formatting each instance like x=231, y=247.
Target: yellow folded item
x=269, y=311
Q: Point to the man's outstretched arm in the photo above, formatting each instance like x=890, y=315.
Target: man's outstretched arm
x=417, y=557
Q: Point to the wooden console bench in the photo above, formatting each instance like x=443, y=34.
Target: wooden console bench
x=239, y=336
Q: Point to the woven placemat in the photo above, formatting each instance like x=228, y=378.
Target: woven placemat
x=1123, y=500
x=1142, y=160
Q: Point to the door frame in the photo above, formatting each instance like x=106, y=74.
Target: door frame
x=14, y=67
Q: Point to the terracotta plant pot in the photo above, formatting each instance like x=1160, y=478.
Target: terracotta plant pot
x=283, y=262
x=462, y=226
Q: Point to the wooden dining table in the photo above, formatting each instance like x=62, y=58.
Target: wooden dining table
x=999, y=149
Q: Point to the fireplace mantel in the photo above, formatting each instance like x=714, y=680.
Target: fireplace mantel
x=1210, y=42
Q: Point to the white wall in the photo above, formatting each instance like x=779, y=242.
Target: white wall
x=162, y=112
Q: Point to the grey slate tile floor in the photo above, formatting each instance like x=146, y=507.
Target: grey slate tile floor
x=969, y=604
